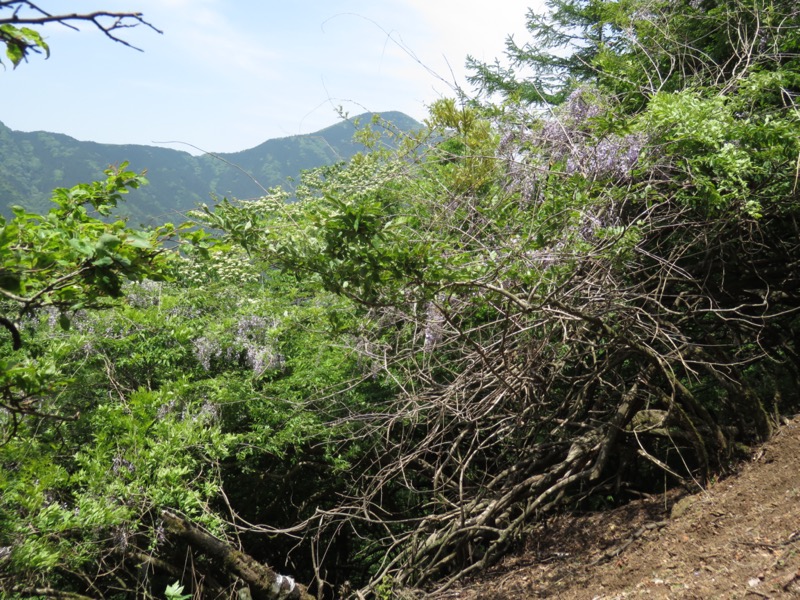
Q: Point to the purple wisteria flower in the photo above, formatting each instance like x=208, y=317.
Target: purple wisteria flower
x=251, y=346
x=119, y=463
x=144, y=293
x=205, y=350
x=433, y=327
x=567, y=139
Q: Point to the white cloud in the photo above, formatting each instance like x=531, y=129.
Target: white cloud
x=200, y=32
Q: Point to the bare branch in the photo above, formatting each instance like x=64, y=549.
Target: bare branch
x=111, y=23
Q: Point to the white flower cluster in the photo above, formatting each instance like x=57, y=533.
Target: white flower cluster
x=232, y=267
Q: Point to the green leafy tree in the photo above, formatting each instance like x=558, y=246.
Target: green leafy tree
x=113, y=435
x=635, y=49
x=66, y=261
x=188, y=394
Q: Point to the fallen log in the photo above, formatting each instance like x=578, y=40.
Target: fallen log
x=264, y=582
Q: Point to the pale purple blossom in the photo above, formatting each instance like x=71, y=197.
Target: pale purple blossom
x=433, y=327
x=144, y=293
x=161, y=534
x=166, y=409
x=118, y=464
x=567, y=139
x=251, y=347
x=205, y=350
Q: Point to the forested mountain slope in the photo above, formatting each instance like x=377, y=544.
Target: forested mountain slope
x=33, y=164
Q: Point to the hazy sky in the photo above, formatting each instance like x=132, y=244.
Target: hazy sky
x=227, y=75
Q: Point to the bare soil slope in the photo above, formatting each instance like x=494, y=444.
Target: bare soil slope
x=740, y=538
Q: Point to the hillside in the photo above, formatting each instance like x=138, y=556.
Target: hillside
x=32, y=164
x=740, y=538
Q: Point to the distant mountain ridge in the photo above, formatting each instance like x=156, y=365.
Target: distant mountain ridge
x=32, y=164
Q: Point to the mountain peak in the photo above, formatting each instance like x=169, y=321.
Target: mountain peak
x=32, y=164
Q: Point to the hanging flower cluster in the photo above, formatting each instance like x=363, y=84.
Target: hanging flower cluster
x=251, y=346
x=567, y=141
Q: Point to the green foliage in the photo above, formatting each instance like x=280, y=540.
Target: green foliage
x=634, y=49
x=66, y=261
x=69, y=258
x=20, y=41
x=182, y=389
x=175, y=592
x=385, y=589
x=343, y=236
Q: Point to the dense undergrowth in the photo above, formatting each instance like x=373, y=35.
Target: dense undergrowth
x=581, y=281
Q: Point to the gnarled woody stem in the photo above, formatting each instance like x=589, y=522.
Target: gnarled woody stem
x=265, y=584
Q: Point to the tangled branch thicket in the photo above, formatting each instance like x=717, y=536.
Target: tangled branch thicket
x=621, y=303
x=559, y=374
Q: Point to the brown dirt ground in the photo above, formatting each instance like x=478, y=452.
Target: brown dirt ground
x=739, y=538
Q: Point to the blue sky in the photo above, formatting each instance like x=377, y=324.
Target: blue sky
x=227, y=75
